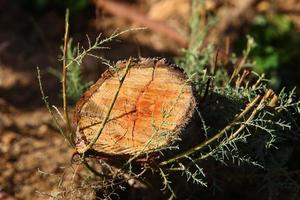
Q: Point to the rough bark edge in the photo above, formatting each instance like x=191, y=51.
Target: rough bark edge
x=141, y=63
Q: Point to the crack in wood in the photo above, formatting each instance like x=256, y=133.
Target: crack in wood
x=137, y=102
x=113, y=119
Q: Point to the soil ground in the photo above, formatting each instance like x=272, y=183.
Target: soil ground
x=33, y=156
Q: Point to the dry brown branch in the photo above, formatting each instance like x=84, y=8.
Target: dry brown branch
x=126, y=12
x=64, y=79
x=217, y=136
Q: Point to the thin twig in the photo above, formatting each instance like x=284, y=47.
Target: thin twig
x=49, y=109
x=97, y=135
x=167, y=114
x=253, y=114
x=250, y=44
x=98, y=45
x=260, y=79
x=64, y=79
x=215, y=137
x=239, y=80
x=259, y=107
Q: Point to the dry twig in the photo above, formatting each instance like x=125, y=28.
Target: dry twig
x=64, y=78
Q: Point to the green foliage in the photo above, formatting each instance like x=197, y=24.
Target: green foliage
x=75, y=55
x=192, y=61
x=242, y=129
x=277, y=45
x=76, y=86
x=274, y=36
x=258, y=136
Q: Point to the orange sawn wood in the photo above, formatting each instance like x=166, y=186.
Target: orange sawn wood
x=154, y=105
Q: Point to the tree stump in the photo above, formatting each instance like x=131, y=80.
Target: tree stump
x=154, y=106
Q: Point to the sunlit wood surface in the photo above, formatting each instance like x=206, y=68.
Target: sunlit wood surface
x=154, y=104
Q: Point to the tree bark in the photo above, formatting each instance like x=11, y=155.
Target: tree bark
x=154, y=107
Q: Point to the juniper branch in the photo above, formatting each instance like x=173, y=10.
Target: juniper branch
x=215, y=137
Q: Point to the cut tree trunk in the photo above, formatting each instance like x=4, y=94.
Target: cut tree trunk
x=152, y=111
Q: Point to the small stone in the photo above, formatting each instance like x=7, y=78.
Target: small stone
x=42, y=129
x=8, y=137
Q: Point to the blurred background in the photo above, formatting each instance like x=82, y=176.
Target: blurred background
x=32, y=154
